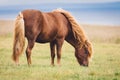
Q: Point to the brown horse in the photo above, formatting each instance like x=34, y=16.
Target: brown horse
x=53, y=27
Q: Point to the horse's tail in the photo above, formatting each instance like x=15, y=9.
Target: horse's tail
x=19, y=37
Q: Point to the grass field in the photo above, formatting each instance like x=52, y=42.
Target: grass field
x=105, y=64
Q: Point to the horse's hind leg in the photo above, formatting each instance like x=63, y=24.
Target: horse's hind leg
x=59, y=47
x=28, y=51
x=52, y=48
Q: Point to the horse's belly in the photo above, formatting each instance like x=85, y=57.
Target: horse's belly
x=44, y=39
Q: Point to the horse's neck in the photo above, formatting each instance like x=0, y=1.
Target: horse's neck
x=71, y=39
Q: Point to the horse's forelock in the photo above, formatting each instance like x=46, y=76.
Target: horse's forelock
x=88, y=45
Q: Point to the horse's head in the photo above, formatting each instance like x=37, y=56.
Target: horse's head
x=84, y=53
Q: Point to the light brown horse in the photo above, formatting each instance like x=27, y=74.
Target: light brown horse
x=53, y=27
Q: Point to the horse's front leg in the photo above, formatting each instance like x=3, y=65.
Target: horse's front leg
x=28, y=51
x=59, y=47
x=52, y=48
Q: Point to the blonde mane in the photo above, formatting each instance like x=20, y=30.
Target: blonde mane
x=78, y=32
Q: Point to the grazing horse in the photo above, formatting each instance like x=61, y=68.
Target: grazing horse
x=53, y=27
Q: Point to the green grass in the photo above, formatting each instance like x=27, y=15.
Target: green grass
x=105, y=64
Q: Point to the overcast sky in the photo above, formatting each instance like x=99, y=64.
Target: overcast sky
x=18, y=2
